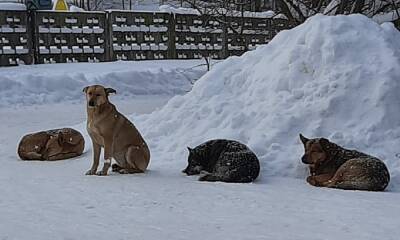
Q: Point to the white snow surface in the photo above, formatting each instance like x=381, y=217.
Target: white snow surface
x=41, y=84
x=334, y=77
x=73, y=8
x=184, y=10
x=12, y=6
x=324, y=78
x=387, y=17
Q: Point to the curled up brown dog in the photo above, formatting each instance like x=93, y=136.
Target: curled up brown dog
x=336, y=167
x=113, y=132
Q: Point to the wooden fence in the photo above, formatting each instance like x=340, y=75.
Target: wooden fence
x=64, y=37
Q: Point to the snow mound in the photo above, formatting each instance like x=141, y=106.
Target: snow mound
x=183, y=10
x=12, y=6
x=333, y=76
x=47, y=83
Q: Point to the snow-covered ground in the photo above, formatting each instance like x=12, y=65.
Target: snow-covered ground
x=40, y=84
x=317, y=79
x=334, y=77
x=55, y=200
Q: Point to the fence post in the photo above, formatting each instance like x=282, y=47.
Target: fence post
x=108, y=35
x=172, y=37
x=225, y=50
x=33, y=37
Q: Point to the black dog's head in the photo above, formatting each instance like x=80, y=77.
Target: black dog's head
x=194, y=163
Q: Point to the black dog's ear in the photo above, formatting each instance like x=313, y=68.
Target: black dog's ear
x=85, y=89
x=303, y=139
x=189, y=149
x=110, y=91
x=324, y=143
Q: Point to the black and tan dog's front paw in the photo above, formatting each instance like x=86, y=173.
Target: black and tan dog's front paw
x=91, y=172
x=311, y=180
x=101, y=173
x=115, y=167
x=210, y=178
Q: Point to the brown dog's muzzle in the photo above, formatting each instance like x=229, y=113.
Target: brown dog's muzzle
x=304, y=159
x=92, y=103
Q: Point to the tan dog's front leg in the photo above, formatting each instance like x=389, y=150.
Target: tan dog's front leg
x=319, y=180
x=107, y=157
x=96, y=157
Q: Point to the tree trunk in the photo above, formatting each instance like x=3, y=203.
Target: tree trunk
x=358, y=6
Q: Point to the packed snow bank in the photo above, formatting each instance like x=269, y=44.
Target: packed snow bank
x=74, y=8
x=386, y=17
x=40, y=84
x=12, y=6
x=336, y=77
x=183, y=10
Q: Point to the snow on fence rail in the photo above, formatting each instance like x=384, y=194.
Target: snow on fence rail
x=69, y=37
x=15, y=38
x=63, y=37
x=141, y=35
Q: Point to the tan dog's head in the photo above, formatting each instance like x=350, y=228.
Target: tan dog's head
x=97, y=95
x=315, y=151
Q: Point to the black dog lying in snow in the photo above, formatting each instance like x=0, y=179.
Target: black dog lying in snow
x=223, y=160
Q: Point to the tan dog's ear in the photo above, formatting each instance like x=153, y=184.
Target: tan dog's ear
x=303, y=139
x=110, y=91
x=85, y=89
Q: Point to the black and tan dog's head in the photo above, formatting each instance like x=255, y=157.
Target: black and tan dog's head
x=315, y=151
x=194, y=163
x=97, y=95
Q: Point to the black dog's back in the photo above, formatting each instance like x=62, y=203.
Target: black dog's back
x=228, y=161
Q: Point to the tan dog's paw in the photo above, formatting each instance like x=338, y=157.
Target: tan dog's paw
x=91, y=172
x=129, y=171
x=101, y=173
x=311, y=180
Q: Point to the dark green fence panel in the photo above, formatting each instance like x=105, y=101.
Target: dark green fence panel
x=65, y=37
x=15, y=38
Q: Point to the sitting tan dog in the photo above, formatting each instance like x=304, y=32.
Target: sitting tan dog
x=336, y=167
x=112, y=131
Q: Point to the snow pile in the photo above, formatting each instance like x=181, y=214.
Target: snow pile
x=12, y=6
x=183, y=10
x=386, y=17
x=74, y=8
x=336, y=77
x=178, y=10
x=40, y=84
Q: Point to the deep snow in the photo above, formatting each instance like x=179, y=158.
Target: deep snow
x=55, y=200
x=263, y=99
x=335, y=77
x=42, y=84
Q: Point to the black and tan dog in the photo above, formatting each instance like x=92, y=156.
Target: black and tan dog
x=223, y=160
x=336, y=167
x=112, y=131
